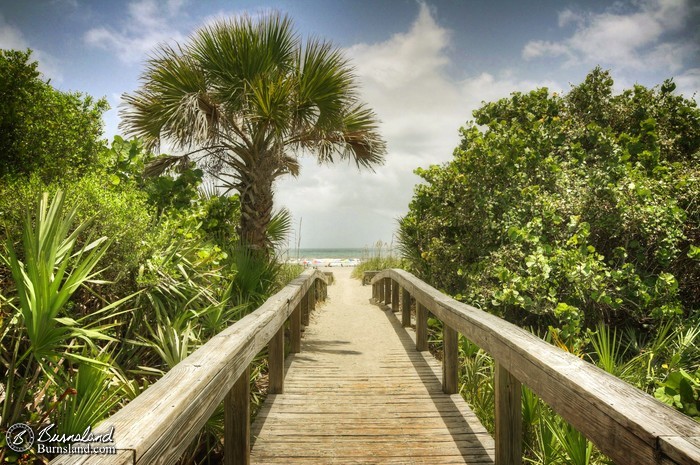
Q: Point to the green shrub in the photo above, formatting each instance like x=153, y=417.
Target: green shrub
x=118, y=212
x=567, y=210
x=45, y=131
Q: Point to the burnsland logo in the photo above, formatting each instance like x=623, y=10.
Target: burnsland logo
x=20, y=438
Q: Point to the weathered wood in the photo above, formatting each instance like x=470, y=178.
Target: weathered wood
x=509, y=436
x=305, y=310
x=681, y=450
x=450, y=360
x=237, y=422
x=625, y=423
x=275, y=349
x=368, y=275
x=330, y=279
x=387, y=409
x=395, y=292
x=295, y=330
x=312, y=297
x=387, y=291
x=405, y=308
x=122, y=457
x=161, y=422
x=421, y=327
x=381, y=288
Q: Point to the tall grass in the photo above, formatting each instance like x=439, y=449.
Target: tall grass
x=381, y=257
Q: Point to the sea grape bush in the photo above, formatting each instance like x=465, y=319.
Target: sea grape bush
x=567, y=210
x=39, y=122
x=575, y=216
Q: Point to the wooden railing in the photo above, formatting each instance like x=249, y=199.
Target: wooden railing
x=157, y=426
x=625, y=423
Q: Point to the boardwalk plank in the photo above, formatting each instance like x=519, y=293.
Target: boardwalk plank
x=347, y=401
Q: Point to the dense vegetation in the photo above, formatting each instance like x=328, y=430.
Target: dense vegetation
x=38, y=123
x=108, y=277
x=115, y=263
x=577, y=216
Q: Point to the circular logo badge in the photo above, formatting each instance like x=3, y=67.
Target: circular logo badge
x=20, y=437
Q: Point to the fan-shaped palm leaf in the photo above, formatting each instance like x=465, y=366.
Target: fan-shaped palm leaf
x=247, y=96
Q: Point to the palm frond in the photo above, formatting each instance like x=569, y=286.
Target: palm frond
x=280, y=227
x=50, y=275
x=89, y=397
x=251, y=97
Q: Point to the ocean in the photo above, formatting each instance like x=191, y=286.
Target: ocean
x=338, y=253
x=325, y=253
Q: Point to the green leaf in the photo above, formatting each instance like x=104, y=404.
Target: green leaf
x=694, y=252
x=66, y=321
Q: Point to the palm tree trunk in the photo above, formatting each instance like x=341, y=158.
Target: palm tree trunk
x=256, y=210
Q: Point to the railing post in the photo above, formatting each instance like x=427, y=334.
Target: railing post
x=275, y=350
x=381, y=288
x=387, y=291
x=450, y=360
x=295, y=330
x=237, y=422
x=312, y=296
x=305, y=309
x=395, y=296
x=421, y=327
x=508, y=418
x=405, y=308
x=375, y=292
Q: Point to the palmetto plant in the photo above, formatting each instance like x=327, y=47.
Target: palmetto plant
x=49, y=275
x=91, y=398
x=41, y=340
x=247, y=97
x=576, y=447
x=476, y=386
x=608, y=352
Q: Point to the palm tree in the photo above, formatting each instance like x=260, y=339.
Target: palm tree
x=246, y=98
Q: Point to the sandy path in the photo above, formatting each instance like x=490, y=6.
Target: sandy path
x=359, y=392
x=357, y=329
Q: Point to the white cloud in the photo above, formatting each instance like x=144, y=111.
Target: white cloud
x=634, y=40
x=688, y=83
x=538, y=48
x=568, y=16
x=148, y=24
x=12, y=38
x=405, y=80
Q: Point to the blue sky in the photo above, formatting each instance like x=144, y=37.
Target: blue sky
x=423, y=66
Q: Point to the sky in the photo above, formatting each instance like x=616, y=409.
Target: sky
x=423, y=66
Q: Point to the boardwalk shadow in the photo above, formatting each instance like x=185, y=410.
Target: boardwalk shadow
x=450, y=412
x=328, y=347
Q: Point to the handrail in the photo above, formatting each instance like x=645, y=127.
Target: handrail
x=626, y=424
x=159, y=424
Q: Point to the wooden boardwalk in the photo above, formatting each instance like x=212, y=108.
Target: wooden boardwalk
x=359, y=392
